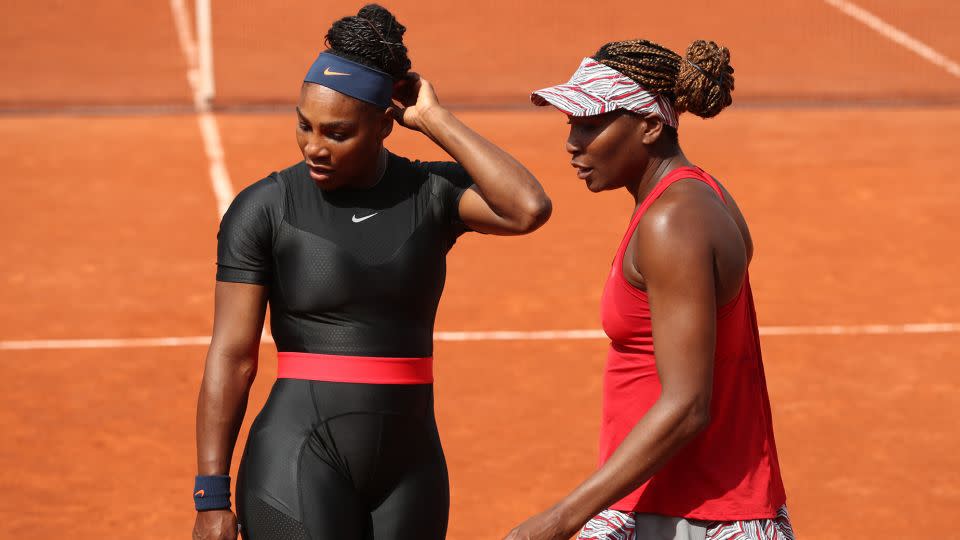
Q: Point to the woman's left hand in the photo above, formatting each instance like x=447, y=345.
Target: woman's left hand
x=543, y=526
x=416, y=96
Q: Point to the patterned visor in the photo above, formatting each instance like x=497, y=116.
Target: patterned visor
x=597, y=89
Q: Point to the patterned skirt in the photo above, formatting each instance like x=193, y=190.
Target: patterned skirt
x=616, y=525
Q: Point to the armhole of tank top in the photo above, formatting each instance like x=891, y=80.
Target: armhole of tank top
x=744, y=293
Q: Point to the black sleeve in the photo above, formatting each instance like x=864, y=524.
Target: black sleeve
x=450, y=182
x=245, y=240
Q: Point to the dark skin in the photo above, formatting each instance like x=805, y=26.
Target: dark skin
x=341, y=139
x=690, y=253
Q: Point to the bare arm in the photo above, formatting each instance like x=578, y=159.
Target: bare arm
x=507, y=199
x=676, y=259
x=231, y=366
x=230, y=369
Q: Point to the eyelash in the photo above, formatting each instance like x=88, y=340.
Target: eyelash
x=339, y=137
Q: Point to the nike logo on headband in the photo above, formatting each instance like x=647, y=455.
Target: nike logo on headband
x=328, y=72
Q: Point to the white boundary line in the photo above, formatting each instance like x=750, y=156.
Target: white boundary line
x=205, y=83
x=896, y=35
x=210, y=132
x=498, y=335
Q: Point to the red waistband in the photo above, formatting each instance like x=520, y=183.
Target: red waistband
x=354, y=369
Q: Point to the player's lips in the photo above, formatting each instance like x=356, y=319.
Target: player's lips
x=320, y=173
x=582, y=171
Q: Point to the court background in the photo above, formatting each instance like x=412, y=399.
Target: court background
x=119, y=156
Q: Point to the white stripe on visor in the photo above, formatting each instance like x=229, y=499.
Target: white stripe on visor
x=597, y=89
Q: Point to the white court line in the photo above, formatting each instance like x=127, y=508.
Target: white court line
x=205, y=82
x=862, y=330
x=896, y=35
x=497, y=335
x=181, y=20
x=210, y=132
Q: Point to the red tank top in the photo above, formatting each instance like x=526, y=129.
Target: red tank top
x=730, y=470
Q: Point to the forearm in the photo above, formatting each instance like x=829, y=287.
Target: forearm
x=220, y=409
x=507, y=186
x=653, y=440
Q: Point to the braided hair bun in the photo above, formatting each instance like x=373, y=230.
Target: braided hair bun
x=705, y=80
x=372, y=37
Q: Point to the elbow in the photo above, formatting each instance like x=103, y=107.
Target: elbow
x=697, y=419
x=534, y=213
x=231, y=366
x=692, y=417
x=247, y=369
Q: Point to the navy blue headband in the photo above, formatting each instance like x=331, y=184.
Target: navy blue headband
x=352, y=79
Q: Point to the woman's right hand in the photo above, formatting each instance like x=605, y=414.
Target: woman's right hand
x=215, y=525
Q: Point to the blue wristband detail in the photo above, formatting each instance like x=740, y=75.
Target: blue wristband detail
x=212, y=492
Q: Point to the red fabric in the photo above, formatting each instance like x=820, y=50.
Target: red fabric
x=354, y=369
x=729, y=471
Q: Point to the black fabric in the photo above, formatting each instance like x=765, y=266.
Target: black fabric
x=342, y=460
x=349, y=272
x=264, y=522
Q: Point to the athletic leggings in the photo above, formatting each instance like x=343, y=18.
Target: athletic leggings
x=346, y=461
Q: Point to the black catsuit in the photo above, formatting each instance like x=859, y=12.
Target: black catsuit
x=349, y=273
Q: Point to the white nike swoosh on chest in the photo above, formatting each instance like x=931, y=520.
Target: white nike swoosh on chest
x=364, y=218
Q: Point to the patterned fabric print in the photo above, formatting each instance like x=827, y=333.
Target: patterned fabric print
x=778, y=528
x=597, y=89
x=609, y=525
x=616, y=525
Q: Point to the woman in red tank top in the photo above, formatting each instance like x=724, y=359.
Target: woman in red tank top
x=686, y=445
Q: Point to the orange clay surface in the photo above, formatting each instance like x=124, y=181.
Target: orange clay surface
x=498, y=50
x=109, y=228
x=101, y=52
x=123, y=246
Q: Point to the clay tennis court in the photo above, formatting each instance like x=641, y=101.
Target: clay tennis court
x=841, y=150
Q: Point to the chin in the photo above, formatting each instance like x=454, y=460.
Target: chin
x=328, y=184
x=596, y=187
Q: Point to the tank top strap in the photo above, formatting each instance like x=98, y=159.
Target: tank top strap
x=674, y=176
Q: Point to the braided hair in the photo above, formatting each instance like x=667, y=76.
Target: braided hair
x=700, y=83
x=373, y=37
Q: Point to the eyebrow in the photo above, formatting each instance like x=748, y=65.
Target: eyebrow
x=329, y=125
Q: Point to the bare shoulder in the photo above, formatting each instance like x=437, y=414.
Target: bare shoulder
x=679, y=228
x=689, y=209
x=689, y=225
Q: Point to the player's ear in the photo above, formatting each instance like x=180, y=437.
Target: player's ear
x=651, y=127
x=386, y=121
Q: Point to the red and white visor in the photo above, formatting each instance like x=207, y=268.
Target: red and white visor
x=597, y=89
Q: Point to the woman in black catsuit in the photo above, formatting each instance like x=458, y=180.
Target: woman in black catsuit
x=348, y=248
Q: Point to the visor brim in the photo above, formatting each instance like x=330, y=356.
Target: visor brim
x=562, y=97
